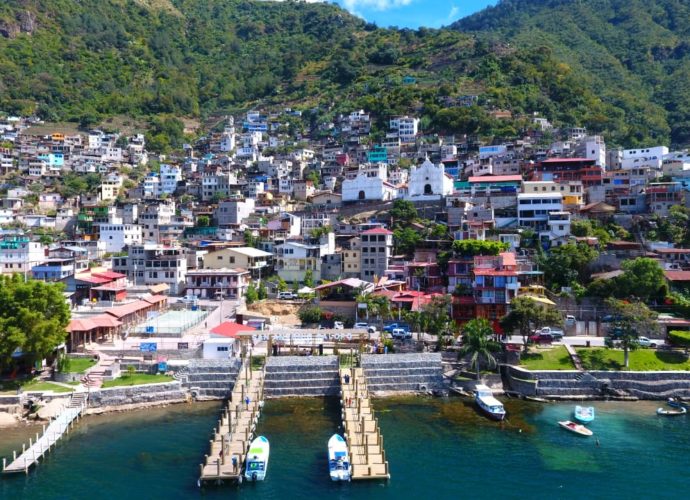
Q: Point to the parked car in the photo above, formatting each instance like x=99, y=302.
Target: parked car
x=190, y=299
x=610, y=318
x=645, y=342
x=541, y=338
x=556, y=333
x=400, y=333
x=570, y=320
x=286, y=296
x=392, y=326
x=338, y=325
x=371, y=329
x=361, y=324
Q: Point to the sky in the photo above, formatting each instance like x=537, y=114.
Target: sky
x=413, y=13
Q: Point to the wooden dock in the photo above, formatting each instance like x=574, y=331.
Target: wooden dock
x=362, y=433
x=235, y=429
x=51, y=434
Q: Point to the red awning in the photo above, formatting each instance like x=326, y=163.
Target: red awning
x=231, y=329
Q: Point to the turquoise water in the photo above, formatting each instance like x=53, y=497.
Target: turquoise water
x=436, y=449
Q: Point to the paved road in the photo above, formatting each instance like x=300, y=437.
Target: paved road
x=574, y=340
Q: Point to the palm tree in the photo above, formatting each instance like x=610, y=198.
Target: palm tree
x=478, y=344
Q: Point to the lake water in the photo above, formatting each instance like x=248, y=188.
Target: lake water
x=436, y=449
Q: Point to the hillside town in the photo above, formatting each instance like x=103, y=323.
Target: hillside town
x=253, y=204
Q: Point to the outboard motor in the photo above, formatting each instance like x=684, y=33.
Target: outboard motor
x=253, y=476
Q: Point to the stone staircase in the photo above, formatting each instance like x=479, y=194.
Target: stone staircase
x=94, y=378
x=301, y=376
x=421, y=372
x=209, y=379
x=78, y=400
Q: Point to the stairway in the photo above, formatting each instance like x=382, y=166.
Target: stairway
x=94, y=378
x=78, y=400
x=301, y=376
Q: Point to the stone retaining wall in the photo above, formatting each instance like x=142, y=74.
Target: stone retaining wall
x=421, y=372
x=151, y=393
x=209, y=378
x=301, y=376
x=570, y=383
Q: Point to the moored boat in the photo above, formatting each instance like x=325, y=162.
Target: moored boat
x=584, y=414
x=257, y=459
x=575, y=428
x=671, y=413
x=676, y=403
x=488, y=403
x=339, y=465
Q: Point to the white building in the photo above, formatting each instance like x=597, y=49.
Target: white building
x=170, y=176
x=534, y=209
x=592, y=148
x=644, y=157
x=151, y=186
x=18, y=254
x=429, y=181
x=117, y=236
x=294, y=258
x=406, y=127
x=370, y=183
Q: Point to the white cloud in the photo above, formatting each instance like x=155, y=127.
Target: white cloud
x=355, y=5
x=454, y=10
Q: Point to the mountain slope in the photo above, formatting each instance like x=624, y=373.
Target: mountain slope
x=87, y=60
x=634, y=53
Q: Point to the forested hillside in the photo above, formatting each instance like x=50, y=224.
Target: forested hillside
x=86, y=60
x=634, y=53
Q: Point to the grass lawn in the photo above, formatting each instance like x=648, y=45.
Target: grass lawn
x=556, y=358
x=640, y=360
x=45, y=386
x=137, y=379
x=79, y=365
x=11, y=386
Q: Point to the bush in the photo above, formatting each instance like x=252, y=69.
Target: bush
x=310, y=314
x=679, y=338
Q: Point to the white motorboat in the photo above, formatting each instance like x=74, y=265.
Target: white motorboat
x=575, y=428
x=256, y=463
x=339, y=465
x=488, y=403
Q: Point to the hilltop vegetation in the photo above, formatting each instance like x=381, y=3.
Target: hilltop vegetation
x=83, y=61
x=634, y=53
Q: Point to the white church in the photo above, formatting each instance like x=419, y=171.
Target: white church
x=429, y=182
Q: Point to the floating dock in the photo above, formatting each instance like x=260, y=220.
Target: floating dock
x=362, y=433
x=235, y=429
x=51, y=435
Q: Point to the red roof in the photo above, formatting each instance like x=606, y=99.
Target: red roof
x=377, y=230
x=569, y=160
x=155, y=299
x=673, y=250
x=96, y=280
x=494, y=272
x=677, y=275
x=88, y=324
x=109, y=274
x=496, y=178
x=231, y=329
x=127, y=309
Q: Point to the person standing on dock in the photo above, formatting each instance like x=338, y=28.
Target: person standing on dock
x=247, y=401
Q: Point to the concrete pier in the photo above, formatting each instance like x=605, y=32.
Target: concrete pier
x=235, y=429
x=362, y=433
x=51, y=434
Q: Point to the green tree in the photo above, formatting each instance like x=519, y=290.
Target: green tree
x=567, y=264
x=470, y=248
x=282, y=285
x=527, y=315
x=249, y=239
x=633, y=320
x=477, y=344
x=33, y=318
x=436, y=315
x=251, y=295
x=309, y=278
x=203, y=221
x=406, y=240
x=403, y=212
x=262, y=292
x=642, y=278
x=310, y=314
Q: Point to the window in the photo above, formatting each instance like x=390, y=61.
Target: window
x=222, y=348
x=232, y=260
x=220, y=257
